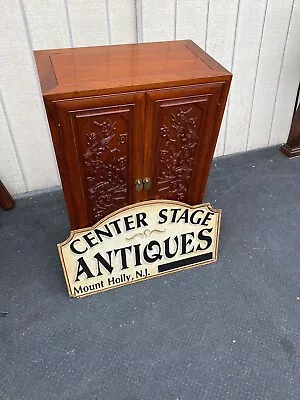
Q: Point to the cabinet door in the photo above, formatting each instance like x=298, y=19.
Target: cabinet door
x=179, y=140
x=102, y=150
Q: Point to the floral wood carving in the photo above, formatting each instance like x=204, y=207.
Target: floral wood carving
x=105, y=159
x=177, y=154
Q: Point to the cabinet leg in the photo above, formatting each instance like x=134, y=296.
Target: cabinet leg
x=292, y=146
x=6, y=201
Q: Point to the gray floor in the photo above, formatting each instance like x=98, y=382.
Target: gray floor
x=229, y=330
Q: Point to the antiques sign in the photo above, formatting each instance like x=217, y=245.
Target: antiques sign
x=138, y=242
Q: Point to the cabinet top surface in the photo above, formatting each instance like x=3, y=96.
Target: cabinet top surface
x=88, y=70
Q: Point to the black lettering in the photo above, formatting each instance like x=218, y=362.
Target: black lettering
x=207, y=218
x=100, y=233
x=82, y=268
x=86, y=289
x=106, y=264
x=129, y=223
x=78, y=291
x=115, y=223
x=206, y=238
x=140, y=219
x=168, y=254
x=137, y=254
x=111, y=281
x=184, y=216
x=139, y=274
x=94, y=286
x=89, y=240
x=175, y=211
x=74, y=250
x=185, y=243
x=97, y=285
x=153, y=257
x=163, y=216
x=123, y=255
x=193, y=216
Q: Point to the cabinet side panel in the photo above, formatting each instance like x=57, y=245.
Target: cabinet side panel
x=215, y=123
x=61, y=159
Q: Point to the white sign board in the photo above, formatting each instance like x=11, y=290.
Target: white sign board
x=138, y=242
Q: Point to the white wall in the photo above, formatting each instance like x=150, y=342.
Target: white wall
x=258, y=40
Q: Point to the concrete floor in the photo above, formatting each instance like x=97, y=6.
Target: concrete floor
x=229, y=330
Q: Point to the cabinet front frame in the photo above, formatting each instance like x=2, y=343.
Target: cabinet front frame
x=143, y=131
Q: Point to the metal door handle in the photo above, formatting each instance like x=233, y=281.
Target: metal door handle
x=147, y=183
x=138, y=185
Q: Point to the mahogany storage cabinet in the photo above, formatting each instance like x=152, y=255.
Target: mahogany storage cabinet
x=132, y=122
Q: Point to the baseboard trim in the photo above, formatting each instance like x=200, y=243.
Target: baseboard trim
x=37, y=192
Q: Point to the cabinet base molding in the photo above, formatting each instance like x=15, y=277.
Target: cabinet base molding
x=292, y=147
x=290, y=152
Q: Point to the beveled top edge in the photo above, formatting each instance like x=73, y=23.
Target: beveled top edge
x=53, y=90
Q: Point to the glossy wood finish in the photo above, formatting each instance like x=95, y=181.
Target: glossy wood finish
x=179, y=133
x=119, y=113
x=102, y=135
x=6, y=201
x=292, y=146
x=84, y=71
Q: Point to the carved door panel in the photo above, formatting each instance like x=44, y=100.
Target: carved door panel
x=179, y=139
x=102, y=147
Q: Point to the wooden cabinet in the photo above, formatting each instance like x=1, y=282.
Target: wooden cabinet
x=102, y=136
x=131, y=123
x=179, y=132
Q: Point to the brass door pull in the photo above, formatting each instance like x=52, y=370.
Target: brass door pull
x=138, y=185
x=147, y=183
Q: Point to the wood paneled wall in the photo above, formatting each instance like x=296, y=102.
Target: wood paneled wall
x=258, y=40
